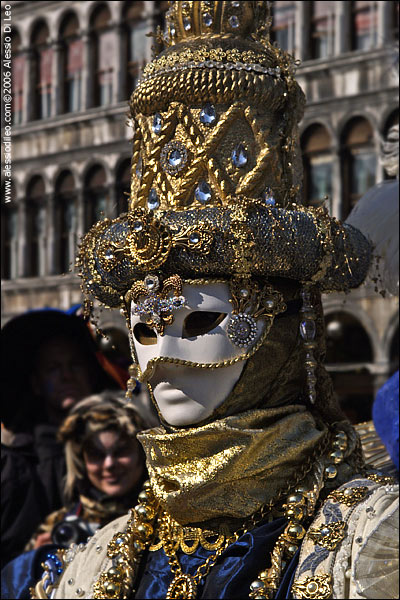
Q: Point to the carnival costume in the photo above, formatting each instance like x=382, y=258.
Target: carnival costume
x=267, y=496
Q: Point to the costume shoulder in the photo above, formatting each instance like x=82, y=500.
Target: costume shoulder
x=81, y=567
x=351, y=548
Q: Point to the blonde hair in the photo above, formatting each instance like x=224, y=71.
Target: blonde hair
x=108, y=410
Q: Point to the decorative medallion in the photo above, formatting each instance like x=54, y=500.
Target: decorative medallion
x=242, y=330
x=156, y=304
x=317, y=587
x=349, y=496
x=328, y=535
x=149, y=241
x=173, y=157
x=183, y=586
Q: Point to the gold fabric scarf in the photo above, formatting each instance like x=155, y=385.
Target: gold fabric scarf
x=231, y=467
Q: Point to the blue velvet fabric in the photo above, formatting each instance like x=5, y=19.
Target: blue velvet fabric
x=385, y=413
x=230, y=577
x=25, y=571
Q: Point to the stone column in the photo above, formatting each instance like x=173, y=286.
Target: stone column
x=87, y=73
x=342, y=27
x=57, y=79
x=80, y=215
x=384, y=25
x=111, y=205
x=29, y=91
x=121, y=93
x=50, y=234
x=22, y=239
x=301, y=31
x=336, y=182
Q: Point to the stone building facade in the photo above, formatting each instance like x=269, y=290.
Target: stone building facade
x=74, y=66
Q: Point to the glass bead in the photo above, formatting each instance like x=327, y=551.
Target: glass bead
x=187, y=24
x=307, y=330
x=194, y=238
x=157, y=123
x=109, y=254
x=234, y=22
x=71, y=581
x=139, y=168
x=236, y=4
x=153, y=202
x=208, y=115
x=239, y=156
x=202, y=192
x=137, y=226
x=207, y=19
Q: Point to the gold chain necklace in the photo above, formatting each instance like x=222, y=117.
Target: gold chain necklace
x=184, y=585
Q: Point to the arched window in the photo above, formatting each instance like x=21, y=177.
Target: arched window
x=42, y=71
x=317, y=157
x=358, y=162
x=348, y=350
x=72, y=61
x=9, y=234
x=322, y=28
x=65, y=217
x=18, y=67
x=283, y=24
x=123, y=186
x=104, y=55
x=136, y=30
x=35, y=223
x=95, y=195
x=364, y=29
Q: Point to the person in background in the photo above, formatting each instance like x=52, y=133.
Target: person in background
x=105, y=469
x=49, y=363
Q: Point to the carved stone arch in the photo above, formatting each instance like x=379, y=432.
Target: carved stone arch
x=62, y=15
x=389, y=336
x=34, y=24
x=92, y=162
x=62, y=169
x=389, y=117
x=31, y=175
x=365, y=322
x=345, y=121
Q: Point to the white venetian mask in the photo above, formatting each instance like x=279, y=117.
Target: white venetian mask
x=197, y=336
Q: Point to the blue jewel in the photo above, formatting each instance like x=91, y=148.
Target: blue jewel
x=239, y=156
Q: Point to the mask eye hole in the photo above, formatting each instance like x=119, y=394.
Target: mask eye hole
x=144, y=334
x=201, y=322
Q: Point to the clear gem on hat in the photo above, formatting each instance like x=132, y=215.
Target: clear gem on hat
x=187, y=24
x=194, y=238
x=207, y=19
x=202, y=192
x=157, y=123
x=208, y=115
x=153, y=202
x=268, y=197
x=234, y=21
x=109, y=254
x=139, y=168
x=239, y=156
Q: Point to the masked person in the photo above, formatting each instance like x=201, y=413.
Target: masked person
x=105, y=469
x=49, y=363
x=257, y=482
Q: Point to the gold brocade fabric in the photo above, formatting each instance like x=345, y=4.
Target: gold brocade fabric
x=231, y=467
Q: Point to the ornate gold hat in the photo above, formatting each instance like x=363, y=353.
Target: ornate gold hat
x=216, y=170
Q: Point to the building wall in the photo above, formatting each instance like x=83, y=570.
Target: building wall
x=341, y=85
